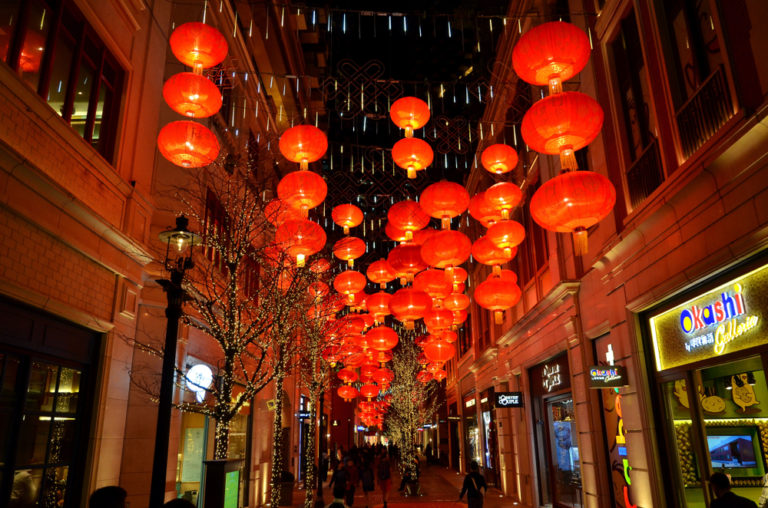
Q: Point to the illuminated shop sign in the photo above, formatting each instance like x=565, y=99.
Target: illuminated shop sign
x=724, y=320
x=607, y=376
x=508, y=399
x=199, y=379
x=469, y=402
x=551, y=378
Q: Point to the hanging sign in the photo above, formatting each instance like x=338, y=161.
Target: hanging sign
x=607, y=376
x=551, y=378
x=508, y=399
x=199, y=379
x=727, y=319
x=303, y=415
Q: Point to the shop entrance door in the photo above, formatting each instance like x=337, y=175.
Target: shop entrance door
x=565, y=471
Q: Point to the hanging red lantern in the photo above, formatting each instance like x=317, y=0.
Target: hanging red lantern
x=320, y=265
x=434, y=283
x=192, y=95
x=485, y=252
x=406, y=260
x=421, y=236
x=349, y=282
x=302, y=190
x=433, y=367
x=506, y=235
x=355, y=360
x=444, y=200
x=457, y=277
x=446, y=249
x=380, y=272
x=369, y=391
x=366, y=317
x=408, y=304
x=348, y=249
x=561, y=124
x=303, y=144
x=188, y=144
x=412, y=154
x=277, y=212
x=394, y=234
x=378, y=305
x=334, y=303
x=349, y=349
x=483, y=211
x=409, y=113
x=407, y=216
x=448, y=335
x=572, y=202
x=459, y=316
x=438, y=319
x=504, y=196
x=382, y=338
x=300, y=239
x=347, y=375
x=440, y=375
x=318, y=290
x=332, y=355
x=347, y=216
x=497, y=295
x=383, y=376
x=383, y=356
x=456, y=301
x=198, y=45
x=347, y=392
x=424, y=376
x=439, y=351
x=551, y=53
x=499, y=159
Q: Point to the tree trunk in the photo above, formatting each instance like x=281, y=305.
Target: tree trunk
x=222, y=409
x=277, y=436
x=221, y=440
x=309, y=453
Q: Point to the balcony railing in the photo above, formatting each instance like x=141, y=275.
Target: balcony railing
x=704, y=113
x=645, y=175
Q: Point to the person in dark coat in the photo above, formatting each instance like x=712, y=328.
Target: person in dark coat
x=473, y=482
x=108, y=497
x=721, y=487
x=384, y=475
x=339, y=477
x=367, y=478
x=352, y=479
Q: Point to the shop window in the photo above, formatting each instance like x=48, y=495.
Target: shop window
x=59, y=55
x=533, y=254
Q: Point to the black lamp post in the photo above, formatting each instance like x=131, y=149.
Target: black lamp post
x=178, y=259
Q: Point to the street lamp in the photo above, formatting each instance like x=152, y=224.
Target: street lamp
x=178, y=259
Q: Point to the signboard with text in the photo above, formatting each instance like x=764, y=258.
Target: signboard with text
x=607, y=376
x=508, y=399
x=727, y=319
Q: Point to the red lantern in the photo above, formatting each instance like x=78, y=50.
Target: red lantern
x=382, y=338
x=198, y=45
x=434, y=283
x=483, y=211
x=499, y=159
x=366, y=317
x=506, y=235
x=383, y=376
x=459, y=316
x=438, y=319
x=409, y=113
x=192, y=95
x=277, y=212
x=439, y=351
x=332, y=355
x=406, y=260
x=347, y=392
x=319, y=290
x=457, y=278
x=407, y=216
x=572, y=202
x=507, y=276
x=394, y=234
x=303, y=144
x=348, y=249
x=485, y=252
x=433, y=367
x=320, y=265
x=448, y=336
x=498, y=295
x=347, y=375
x=378, y=305
x=347, y=216
x=424, y=376
x=380, y=272
x=369, y=391
x=551, y=53
x=456, y=301
x=300, y=238
x=349, y=282
x=383, y=356
x=444, y=200
x=421, y=236
x=561, y=124
x=188, y=144
x=504, y=196
x=302, y=190
x=440, y=375
x=446, y=249
x=408, y=305
x=412, y=154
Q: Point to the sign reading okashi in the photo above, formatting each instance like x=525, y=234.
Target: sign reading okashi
x=607, y=376
x=724, y=320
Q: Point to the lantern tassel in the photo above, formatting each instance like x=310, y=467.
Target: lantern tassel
x=409, y=132
x=580, y=238
x=497, y=270
x=568, y=159
x=303, y=165
x=498, y=317
x=555, y=85
x=446, y=222
x=346, y=230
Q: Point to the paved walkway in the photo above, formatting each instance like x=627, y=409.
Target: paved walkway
x=440, y=488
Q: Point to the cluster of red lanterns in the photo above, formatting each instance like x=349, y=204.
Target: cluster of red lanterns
x=186, y=143
x=411, y=154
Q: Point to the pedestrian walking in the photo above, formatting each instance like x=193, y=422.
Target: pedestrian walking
x=353, y=478
x=384, y=475
x=367, y=478
x=473, y=482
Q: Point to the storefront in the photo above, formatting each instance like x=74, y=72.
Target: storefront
x=453, y=436
x=490, y=438
x=713, y=339
x=555, y=432
x=473, y=448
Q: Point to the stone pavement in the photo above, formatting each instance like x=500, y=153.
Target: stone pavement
x=440, y=488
